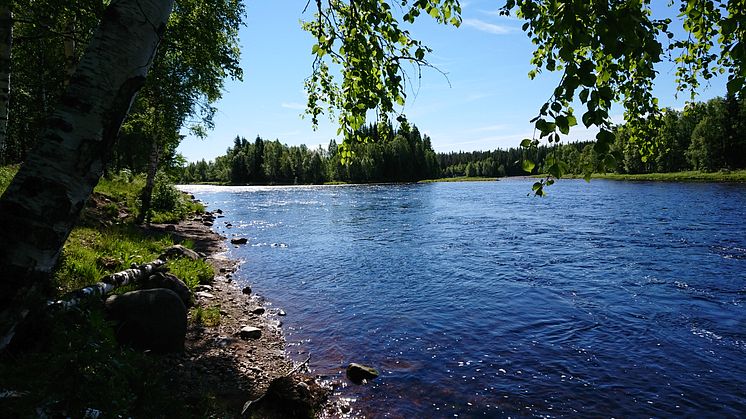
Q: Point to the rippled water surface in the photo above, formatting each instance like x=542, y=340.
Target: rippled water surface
x=473, y=299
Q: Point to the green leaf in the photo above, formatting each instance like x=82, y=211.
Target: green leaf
x=555, y=170
x=584, y=95
x=526, y=143
x=610, y=162
x=589, y=118
x=528, y=165
x=563, y=124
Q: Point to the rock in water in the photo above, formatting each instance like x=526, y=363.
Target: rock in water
x=153, y=319
x=240, y=240
x=178, y=251
x=170, y=282
x=358, y=372
x=248, y=332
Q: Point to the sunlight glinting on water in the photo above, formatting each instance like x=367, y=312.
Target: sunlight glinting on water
x=603, y=299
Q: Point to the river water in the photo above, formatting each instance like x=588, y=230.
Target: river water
x=608, y=299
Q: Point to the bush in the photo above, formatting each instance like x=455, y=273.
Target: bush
x=166, y=198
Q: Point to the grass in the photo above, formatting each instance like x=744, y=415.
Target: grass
x=71, y=362
x=460, y=179
x=6, y=175
x=92, y=253
x=208, y=316
x=192, y=272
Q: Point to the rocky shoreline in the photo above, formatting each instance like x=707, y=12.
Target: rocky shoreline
x=239, y=363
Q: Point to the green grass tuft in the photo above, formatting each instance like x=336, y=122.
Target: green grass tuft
x=90, y=254
x=192, y=272
x=205, y=316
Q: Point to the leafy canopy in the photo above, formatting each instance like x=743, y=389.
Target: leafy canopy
x=605, y=50
x=364, y=41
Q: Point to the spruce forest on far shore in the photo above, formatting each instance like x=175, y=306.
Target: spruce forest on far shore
x=706, y=136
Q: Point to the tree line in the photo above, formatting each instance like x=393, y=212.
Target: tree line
x=387, y=154
x=706, y=136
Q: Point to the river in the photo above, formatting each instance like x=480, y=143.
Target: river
x=604, y=299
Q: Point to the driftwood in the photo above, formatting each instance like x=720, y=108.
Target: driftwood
x=108, y=284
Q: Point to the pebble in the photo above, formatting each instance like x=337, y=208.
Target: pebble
x=203, y=294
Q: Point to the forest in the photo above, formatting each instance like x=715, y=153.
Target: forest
x=388, y=155
x=705, y=136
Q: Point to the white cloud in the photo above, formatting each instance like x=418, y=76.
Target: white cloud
x=293, y=105
x=483, y=26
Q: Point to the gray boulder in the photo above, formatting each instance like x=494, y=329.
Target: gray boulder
x=153, y=319
x=178, y=251
x=170, y=282
x=248, y=332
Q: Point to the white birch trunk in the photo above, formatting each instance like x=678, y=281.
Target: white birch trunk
x=107, y=284
x=42, y=203
x=6, y=43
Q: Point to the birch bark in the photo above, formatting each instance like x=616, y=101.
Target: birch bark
x=6, y=42
x=42, y=203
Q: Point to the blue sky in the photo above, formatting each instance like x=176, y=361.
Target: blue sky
x=486, y=101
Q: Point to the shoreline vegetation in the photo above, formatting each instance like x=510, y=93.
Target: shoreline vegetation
x=736, y=176
x=71, y=364
x=706, y=137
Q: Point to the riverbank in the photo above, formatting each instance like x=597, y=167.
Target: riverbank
x=70, y=364
x=689, y=176
x=461, y=179
x=217, y=361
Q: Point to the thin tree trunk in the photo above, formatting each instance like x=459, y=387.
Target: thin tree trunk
x=42, y=203
x=6, y=43
x=147, y=192
x=69, y=45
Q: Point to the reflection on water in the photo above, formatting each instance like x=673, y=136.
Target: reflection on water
x=604, y=299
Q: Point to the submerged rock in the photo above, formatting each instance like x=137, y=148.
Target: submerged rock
x=357, y=373
x=239, y=240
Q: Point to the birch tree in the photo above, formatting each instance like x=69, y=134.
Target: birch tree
x=42, y=203
x=6, y=43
